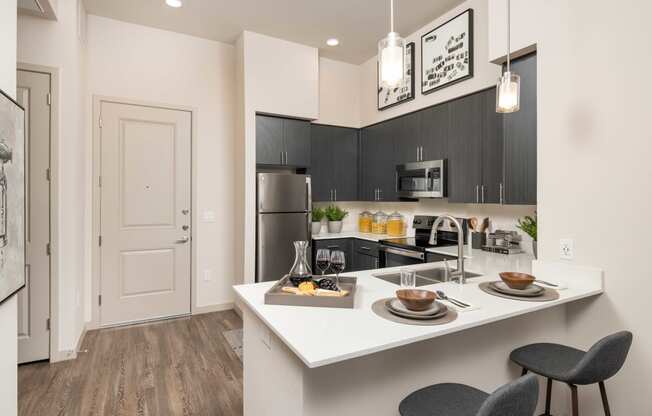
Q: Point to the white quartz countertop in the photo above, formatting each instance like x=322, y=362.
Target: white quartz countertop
x=322, y=336
x=351, y=234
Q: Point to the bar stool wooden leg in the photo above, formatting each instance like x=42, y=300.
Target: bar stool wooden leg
x=605, y=402
x=575, y=405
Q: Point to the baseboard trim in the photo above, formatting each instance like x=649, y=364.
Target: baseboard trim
x=219, y=307
x=65, y=355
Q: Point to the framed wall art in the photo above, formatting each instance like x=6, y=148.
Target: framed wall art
x=447, y=53
x=12, y=197
x=389, y=97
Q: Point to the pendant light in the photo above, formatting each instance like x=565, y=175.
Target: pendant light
x=509, y=85
x=391, y=56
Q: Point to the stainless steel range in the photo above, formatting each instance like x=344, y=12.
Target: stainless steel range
x=413, y=250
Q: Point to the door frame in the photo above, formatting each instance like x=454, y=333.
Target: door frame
x=56, y=354
x=96, y=272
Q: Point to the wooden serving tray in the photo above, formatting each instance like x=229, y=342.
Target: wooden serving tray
x=275, y=295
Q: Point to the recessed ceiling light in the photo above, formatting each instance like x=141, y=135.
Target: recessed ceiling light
x=174, y=3
x=332, y=42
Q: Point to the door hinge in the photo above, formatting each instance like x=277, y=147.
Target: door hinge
x=99, y=181
x=47, y=324
x=49, y=97
x=100, y=122
x=48, y=249
x=99, y=300
x=48, y=174
x=100, y=241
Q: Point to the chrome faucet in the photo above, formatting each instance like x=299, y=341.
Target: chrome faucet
x=460, y=244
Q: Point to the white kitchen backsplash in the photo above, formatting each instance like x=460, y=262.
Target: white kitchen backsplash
x=501, y=217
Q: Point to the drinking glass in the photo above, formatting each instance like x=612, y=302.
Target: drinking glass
x=323, y=260
x=408, y=279
x=338, y=263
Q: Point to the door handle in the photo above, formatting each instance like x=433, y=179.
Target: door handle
x=335, y=193
x=183, y=240
x=477, y=194
x=417, y=153
x=482, y=193
x=502, y=198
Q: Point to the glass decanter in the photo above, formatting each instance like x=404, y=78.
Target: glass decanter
x=300, y=271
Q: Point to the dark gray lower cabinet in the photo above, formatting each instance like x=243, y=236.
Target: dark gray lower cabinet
x=360, y=254
x=334, y=163
x=521, y=138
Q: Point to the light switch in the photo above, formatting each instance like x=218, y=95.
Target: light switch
x=208, y=216
x=208, y=274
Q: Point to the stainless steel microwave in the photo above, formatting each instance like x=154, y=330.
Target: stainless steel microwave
x=422, y=179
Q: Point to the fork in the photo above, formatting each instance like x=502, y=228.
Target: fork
x=454, y=301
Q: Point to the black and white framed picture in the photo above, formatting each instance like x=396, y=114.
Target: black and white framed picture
x=389, y=97
x=12, y=197
x=447, y=53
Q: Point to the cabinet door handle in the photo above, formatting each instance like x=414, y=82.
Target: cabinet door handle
x=502, y=198
x=380, y=194
x=333, y=247
x=477, y=194
x=421, y=153
x=335, y=194
x=365, y=248
x=482, y=193
x=417, y=153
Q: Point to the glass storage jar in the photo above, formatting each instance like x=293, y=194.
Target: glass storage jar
x=364, y=221
x=396, y=225
x=379, y=224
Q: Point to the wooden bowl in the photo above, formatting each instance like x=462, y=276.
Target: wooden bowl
x=416, y=299
x=517, y=281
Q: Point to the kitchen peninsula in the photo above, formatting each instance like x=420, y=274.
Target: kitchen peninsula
x=325, y=361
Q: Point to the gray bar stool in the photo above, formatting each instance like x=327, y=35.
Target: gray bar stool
x=518, y=398
x=576, y=367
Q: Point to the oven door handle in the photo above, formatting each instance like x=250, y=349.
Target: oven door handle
x=405, y=253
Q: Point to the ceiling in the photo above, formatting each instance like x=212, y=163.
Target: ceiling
x=358, y=24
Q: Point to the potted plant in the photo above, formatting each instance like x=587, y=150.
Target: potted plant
x=529, y=226
x=335, y=215
x=318, y=214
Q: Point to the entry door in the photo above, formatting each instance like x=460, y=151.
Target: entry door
x=34, y=300
x=145, y=213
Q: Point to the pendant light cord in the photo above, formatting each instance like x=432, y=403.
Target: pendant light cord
x=391, y=12
x=509, y=28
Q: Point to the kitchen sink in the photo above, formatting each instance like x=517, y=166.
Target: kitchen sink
x=424, y=277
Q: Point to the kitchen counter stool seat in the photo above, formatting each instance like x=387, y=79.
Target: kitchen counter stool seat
x=518, y=398
x=576, y=367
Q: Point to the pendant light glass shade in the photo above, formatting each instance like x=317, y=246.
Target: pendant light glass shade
x=508, y=92
x=391, y=56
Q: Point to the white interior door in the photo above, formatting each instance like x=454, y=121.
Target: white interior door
x=34, y=300
x=145, y=212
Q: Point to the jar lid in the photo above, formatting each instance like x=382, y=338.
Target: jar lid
x=396, y=216
x=380, y=215
x=366, y=214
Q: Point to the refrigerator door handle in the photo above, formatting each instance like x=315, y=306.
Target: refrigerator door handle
x=309, y=196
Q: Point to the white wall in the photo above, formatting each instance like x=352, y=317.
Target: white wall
x=526, y=25
x=8, y=310
x=339, y=93
x=276, y=77
x=145, y=64
x=56, y=44
x=485, y=74
x=594, y=113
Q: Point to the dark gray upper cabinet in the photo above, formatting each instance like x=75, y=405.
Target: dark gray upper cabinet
x=378, y=162
x=281, y=141
x=321, y=163
x=465, y=149
x=345, y=163
x=334, y=163
x=269, y=140
x=408, y=138
x=297, y=142
x=435, y=125
x=492, y=151
x=520, y=132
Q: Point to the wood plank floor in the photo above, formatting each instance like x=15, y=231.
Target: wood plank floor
x=176, y=367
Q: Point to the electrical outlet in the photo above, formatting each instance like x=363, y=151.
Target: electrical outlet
x=566, y=249
x=208, y=274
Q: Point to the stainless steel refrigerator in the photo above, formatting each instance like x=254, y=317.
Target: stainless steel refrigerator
x=284, y=205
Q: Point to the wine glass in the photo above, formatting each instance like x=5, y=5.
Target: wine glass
x=338, y=263
x=408, y=279
x=323, y=260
